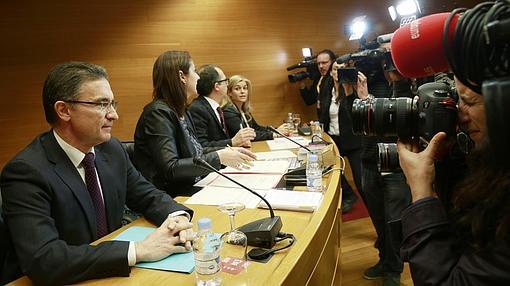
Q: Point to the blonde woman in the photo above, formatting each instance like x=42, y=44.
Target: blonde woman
x=238, y=110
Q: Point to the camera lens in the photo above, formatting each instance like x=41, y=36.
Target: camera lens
x=298, y=76
x=384, y=117
x=361, y=114
x=388, y=157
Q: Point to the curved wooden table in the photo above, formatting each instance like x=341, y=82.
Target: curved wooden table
x=314, y=259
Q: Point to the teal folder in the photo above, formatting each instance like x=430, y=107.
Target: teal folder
x=179, y=262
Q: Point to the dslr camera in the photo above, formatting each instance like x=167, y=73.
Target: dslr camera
x=433, y=110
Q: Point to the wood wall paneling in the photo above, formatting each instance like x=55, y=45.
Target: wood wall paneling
x=258, y=39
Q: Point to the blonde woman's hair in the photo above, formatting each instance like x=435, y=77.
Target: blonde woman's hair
x=246, y=107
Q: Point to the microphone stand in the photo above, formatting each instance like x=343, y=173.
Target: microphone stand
x=287, y=137
x=262, y=232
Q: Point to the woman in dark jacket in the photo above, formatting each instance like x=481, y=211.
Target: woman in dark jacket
x=334, y=113
x=237, y=111
x=165, y=140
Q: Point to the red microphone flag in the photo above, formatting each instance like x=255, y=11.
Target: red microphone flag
x=417, y=48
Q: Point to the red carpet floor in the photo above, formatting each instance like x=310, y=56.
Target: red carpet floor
x=358, y=210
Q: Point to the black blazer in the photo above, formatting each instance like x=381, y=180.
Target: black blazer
x=163, y=153
x=234, y=120
x=52, y=219
x=348, y=141
x=208, y=127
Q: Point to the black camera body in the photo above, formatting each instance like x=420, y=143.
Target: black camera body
x=433, y=110
x=312, y=70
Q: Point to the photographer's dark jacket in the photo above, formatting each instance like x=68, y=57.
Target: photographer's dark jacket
x=309, y=94
x=429, y=246
x=164, y=153
x=348, y=141
x=234, y=120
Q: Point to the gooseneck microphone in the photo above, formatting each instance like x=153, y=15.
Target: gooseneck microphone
x=287, y=137
x=262, y=232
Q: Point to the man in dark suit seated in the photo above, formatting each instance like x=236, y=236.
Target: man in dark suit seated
x=207, y=114
x=68, y=188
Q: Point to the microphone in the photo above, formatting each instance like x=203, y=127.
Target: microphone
x=262, y=232
x=287, y=137
x=295, y=66
x=417, y=49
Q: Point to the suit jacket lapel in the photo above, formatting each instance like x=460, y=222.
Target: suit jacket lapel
x=65, y=169
x=213, y=114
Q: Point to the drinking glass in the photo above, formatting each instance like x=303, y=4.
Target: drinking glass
x=234, y=247
x=296, y=120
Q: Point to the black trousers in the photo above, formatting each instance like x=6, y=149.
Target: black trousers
x=386, y=197
x=354, y=157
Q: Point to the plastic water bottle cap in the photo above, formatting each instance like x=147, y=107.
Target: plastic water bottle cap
x=204, y=223
x=313, y=157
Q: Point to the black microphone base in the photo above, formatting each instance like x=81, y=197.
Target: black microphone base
x=262, y=232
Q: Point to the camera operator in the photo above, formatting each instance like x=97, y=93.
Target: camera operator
x=462, y=236
x=386, y=194
x=310, y=94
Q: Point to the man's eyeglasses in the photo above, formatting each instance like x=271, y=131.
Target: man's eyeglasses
x=102, y=105
x=223, y=80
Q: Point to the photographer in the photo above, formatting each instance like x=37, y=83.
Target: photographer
x=462, y=236
x=386, y=194
x=310, y=94
x=467, y=243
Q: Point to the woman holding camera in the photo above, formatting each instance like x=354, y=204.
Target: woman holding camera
x=165, y=140
x=461, y=237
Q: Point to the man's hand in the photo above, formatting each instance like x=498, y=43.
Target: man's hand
x=243, y=137
x=165, y=239
x=418, y=166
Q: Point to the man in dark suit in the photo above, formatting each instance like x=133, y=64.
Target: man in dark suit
x=68, y=188
x=207, y=114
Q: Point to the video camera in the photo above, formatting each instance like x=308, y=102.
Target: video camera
x=369, y=60
x=312, y=71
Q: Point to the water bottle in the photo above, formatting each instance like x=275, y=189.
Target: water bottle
x=290, y=123
x=313, y=173
x=206, y=249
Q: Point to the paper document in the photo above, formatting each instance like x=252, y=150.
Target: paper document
x=215, y=196
x=261, y=167
x=283, y=143
x=252, y=181
x=179, y=262
x=293, y=200
x=275, y=155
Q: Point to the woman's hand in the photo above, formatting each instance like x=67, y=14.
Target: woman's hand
x=236, y=157
x=362, y=87
x=418, y=166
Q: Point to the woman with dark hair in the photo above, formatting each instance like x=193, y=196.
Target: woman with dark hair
x=165, y=140
x=461, y=237
x=238, y=110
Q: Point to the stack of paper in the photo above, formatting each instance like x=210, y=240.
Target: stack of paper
x=279, y=199
x=284, y=143
x=252, y=181
x=275, y=155
x=261, y=167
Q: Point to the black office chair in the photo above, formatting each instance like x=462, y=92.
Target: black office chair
x=129, y=146
x=129, y=215
x=9, y=269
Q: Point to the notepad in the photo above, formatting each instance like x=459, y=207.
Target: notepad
x=293, y=200
x=178, y=262
x=260, y=167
